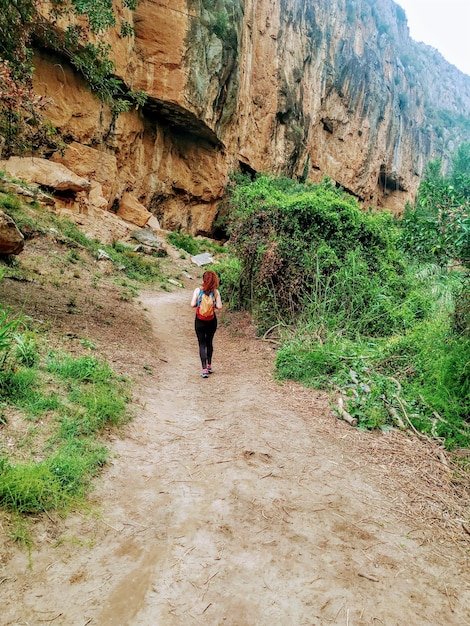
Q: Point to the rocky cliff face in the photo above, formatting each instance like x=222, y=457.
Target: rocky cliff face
x=305, y=88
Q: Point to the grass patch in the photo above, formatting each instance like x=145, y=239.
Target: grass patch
x=71, y=401
x=138, y=267
x=184, y=241
x=100, y=407
x=417, y=379
x=28, y=221
x=193, y=246
x=83, y=369
x=54, y=483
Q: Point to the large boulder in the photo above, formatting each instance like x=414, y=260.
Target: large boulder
x=11, y=240
x=45, y=173
x=131, y=210
x=95, y=223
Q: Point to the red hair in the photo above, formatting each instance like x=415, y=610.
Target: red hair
x=210, y=282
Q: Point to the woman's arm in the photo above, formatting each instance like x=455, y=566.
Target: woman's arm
x=218, y=300
x=194, y=298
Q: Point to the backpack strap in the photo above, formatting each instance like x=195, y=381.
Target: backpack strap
x=201, y=293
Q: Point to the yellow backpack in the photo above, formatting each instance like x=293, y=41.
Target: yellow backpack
x=205, y=309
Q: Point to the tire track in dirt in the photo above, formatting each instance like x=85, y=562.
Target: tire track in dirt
x=226, y=503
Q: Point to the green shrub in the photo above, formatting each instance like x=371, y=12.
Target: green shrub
x=184, y=242
x=311, y=245
x=437, y=228
x=355, y=312
x=229, y=273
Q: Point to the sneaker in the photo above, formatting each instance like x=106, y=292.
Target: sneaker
x=205, y=373
x=209, y=368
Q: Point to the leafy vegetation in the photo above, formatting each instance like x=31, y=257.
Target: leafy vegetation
x=21, y=124
x=368, y=308
x=229, y=271
x=437, y=228
x=184, y=241
x=221, y=19
x=191, y=245
x=67, y=402
x=310, y=248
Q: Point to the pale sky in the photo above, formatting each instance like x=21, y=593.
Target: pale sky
x=442, y=24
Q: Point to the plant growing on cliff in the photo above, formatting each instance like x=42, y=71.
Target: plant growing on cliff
x=21, y=124
x=21, y=22
x=92, y=59
x=100, y=13
x=127, y=30
x=221, y=17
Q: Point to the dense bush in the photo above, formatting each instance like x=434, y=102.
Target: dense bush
x=310, y=248
x=437, y=227
x=369, y=304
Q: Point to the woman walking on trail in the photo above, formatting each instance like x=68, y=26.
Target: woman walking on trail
x=206, y=300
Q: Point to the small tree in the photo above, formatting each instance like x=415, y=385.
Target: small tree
x=461, y=170
x=437, y=228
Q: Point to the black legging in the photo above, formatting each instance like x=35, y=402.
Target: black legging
x=205, y=332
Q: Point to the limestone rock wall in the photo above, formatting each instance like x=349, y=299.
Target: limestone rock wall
x=305, y=88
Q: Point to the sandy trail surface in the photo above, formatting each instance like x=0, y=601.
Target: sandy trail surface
x=237, y=501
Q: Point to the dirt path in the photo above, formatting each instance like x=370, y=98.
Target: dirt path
x=235, y=501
